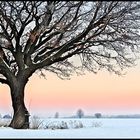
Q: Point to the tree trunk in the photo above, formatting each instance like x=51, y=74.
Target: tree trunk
x=21, y=116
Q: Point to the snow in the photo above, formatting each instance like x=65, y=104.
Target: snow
x=93, y=128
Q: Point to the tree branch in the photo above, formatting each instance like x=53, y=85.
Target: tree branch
x=4, y=81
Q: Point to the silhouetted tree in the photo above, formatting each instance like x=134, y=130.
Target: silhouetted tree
x=56, y=115
x=80, y=113
x=50, y=35
x=98, y=115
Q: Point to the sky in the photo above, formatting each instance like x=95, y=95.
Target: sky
x=102, y=92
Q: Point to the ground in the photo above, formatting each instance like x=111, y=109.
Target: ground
x=78, y=128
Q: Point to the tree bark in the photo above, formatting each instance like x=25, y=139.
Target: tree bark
x=20, y=118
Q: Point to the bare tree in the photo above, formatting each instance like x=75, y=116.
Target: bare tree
x=98, y=115
x=56, y=115
x=51, y=35
x=80, y=113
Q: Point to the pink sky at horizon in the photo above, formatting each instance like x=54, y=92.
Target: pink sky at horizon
x=103, y=92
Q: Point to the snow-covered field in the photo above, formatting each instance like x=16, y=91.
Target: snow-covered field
x=92, y=128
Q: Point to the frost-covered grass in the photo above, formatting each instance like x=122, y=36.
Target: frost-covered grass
x=36, y=122
x=64, y=124
x=91, y=128
x=4, y=122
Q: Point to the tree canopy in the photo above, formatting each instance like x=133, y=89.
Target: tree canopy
x=38, y=35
